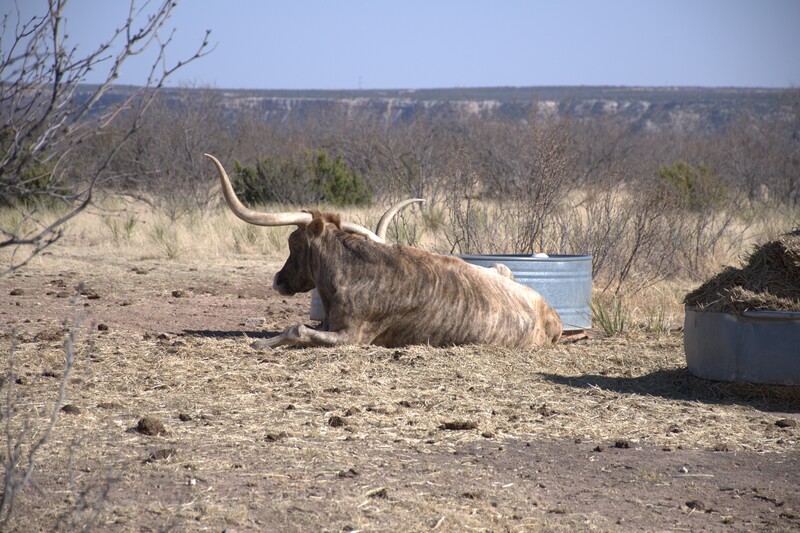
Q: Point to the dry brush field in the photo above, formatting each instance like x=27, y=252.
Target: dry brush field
x=172, y=422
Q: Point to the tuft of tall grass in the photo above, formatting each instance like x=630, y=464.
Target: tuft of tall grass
x=657, y=321
x=612, y=317
x=166, y=239
x=121, y=229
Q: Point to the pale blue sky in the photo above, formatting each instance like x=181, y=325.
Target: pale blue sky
x=347, y=44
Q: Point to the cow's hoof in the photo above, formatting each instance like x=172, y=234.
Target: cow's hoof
x=263, y=344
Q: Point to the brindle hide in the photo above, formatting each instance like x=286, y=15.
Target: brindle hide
x=392, y=295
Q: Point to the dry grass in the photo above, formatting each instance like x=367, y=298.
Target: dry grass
x=125, y=226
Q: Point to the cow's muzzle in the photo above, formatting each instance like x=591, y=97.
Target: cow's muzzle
x=279, y=284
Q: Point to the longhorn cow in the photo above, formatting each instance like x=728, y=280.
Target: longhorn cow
x=393, y=295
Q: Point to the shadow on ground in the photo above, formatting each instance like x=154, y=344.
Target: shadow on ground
x=679, y=384
x=232, y=334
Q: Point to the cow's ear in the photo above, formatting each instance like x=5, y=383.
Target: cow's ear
x=335, y=219
x=315, y=227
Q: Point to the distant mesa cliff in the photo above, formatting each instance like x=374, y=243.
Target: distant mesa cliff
x=639, y=108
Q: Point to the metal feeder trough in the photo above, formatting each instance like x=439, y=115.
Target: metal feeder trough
x=754, y=346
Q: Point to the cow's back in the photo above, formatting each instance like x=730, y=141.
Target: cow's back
x=399, y=295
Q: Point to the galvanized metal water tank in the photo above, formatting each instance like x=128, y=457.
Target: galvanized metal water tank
x=565, y=281
x=754, y=346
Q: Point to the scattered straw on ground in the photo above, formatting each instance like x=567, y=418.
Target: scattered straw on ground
x=345, y=438
x=291, y=419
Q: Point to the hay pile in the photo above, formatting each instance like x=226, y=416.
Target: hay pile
x=769, y=281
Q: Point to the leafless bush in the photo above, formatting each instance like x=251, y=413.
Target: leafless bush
x=43, y=122
x=602, y=145
x=639, y=234
x=163, y=162
x=507, y=185
x=632, y=239
x=471, y=228
x=762, y=158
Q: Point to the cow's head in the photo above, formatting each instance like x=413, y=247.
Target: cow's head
x=553, y=326
x=296, y=275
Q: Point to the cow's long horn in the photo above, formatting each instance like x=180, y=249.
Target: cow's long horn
x=383, y=223
x=254, y=217
x=296, y=218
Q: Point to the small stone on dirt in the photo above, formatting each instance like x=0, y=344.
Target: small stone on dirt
x=378, y=493
x=622, y=443
x=102, y=327
x=786, y=423
x=487, y=435
x=150, y=425
x=71, y=409
x=50, y=335
x=16, y=292
x=350, y=472
x=696, y=505
x=161, y=455
x=336, y=421
x=352, y=411
x=179, y=293
x=275, y=437
x=459, y=425
x=183, y=417
x=255, y=322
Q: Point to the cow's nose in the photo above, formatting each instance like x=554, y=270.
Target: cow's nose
x=280, y=284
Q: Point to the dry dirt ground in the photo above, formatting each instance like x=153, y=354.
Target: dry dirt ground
x=173, y=423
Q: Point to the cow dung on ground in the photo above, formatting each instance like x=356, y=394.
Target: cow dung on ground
x=768, y=281
x=151, y=426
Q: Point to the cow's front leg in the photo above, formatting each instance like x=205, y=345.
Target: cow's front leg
x=301, y=335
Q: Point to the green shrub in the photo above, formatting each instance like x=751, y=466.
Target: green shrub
x=30, y=181
x=696, y=189
x=317, y=179
x=336, y=183
x=273, y=180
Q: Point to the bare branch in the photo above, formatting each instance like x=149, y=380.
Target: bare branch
x=44, y=123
